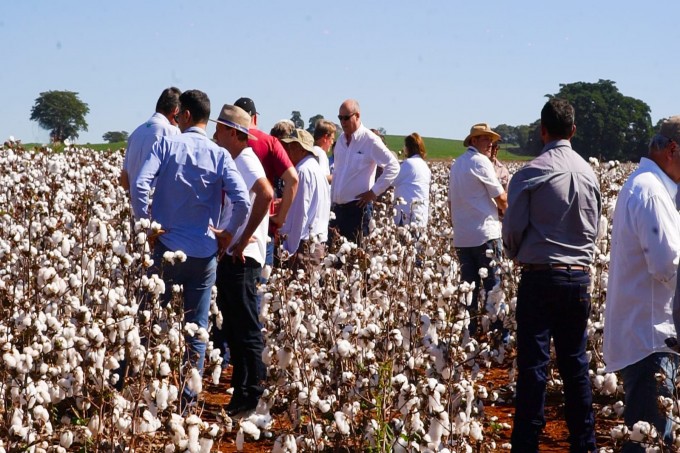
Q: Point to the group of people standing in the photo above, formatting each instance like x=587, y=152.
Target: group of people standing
x=226, y=202
x=547, y=221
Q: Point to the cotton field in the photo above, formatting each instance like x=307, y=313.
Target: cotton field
x=370, y=352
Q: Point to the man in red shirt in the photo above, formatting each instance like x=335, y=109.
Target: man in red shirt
x=278, y=168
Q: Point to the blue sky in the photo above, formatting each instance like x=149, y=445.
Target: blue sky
x=433, y=67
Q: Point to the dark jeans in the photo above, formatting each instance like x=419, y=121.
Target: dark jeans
x=197, y=276
x=642, y=389
x=351, y=220
x=553, y=303
x=471, y=259
x=237, y=300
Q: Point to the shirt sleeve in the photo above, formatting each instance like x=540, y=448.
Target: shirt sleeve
x=484, y=171
x=235, y=188
x=297, y=214
x=659, y=240
x=385, y=159
x=279, y=158
x=140, y=190
x=516, y=218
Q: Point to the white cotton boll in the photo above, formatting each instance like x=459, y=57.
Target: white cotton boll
x=169, y=257
x=642, y=431
x=284, y=356
x=476, y=433
x=250, y=429
x=344, y=348
x=483, y=272
x=216, y=374
x=191, y=329
x=180, y=256
x=162, y=398
x=164, y=369
x=206, y=444
x=203, y=335
x=610, y=384
x=66, y=439
x=619, y=432
x=341, y=422
x=141, y=238
x=195, y=383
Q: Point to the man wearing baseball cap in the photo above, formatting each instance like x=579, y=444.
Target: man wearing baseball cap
x=643, y=273
x=476, y=198
x=306, y=229
x=239, y=270
x=278, y=168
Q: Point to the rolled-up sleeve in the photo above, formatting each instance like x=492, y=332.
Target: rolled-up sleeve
x=390, y=165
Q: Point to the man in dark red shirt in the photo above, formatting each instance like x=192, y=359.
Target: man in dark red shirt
x=277, y=167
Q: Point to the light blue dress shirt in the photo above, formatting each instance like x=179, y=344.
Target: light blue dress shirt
x=191, y=175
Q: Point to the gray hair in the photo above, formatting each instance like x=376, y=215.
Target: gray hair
x=658, y=143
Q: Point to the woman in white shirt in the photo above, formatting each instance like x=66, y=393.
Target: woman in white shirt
x=412, y=186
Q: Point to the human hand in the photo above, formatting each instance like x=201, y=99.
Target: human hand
x=152, y=236
x=223, y=241
x=364, y=198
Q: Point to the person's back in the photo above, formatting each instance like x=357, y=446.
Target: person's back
x=161, y=124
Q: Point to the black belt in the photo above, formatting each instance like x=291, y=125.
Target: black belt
x=554, y=266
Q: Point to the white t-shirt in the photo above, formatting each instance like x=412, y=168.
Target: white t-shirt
x=473, y=185
x=323, y=160
x=251, y=170
x=413, y=185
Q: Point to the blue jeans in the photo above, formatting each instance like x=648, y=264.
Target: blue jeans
x=197, y=276
x=642, y=388
x=351, y=220
x=471, y=259
x=237, y=300
x=553, y=303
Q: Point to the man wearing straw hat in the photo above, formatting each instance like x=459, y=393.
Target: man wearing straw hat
x=240, y=265
x=476, y=198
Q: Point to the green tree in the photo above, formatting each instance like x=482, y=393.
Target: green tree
x=296, y=118
x=508, y=133
x=608, y=124
x=115, y=136
x=60, y=112
x=312, y=123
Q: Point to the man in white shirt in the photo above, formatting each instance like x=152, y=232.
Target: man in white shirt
x=476, y=197
x=645, y=251
x=161, y=123
x=241, y=259
x=358, y=152
x=306, y=227
x=324, y=137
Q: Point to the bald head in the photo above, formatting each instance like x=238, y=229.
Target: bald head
x=349, y=115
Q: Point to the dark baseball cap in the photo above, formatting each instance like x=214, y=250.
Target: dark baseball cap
x=246, y=104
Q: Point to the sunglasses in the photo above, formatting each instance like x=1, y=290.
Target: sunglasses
x=346, y=117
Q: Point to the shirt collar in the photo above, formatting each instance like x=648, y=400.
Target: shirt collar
x=556, y=144
x=651, y=166
x=195, y=129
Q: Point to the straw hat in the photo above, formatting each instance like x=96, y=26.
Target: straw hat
x=481, y=129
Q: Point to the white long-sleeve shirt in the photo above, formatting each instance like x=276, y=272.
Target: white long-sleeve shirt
x=645, y=251
x=355, y=165
x=309, y=214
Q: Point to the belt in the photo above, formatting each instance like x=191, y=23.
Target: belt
x=554, y=266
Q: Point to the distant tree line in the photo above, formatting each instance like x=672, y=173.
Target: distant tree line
x=609, y=125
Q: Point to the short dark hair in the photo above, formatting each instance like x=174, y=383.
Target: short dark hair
x=197, y=103
x=168, y=101
x=558, y=117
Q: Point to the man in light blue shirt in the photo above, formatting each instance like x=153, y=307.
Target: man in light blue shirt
x=191, y=174
x=139, y=143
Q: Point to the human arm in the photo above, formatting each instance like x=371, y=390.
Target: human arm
x=263, y=196
x=123, y=180
x=389, y=163
x=290, y=185
x=140, y=190
x=516, y=219
x=291, y=230
x=656, y=225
